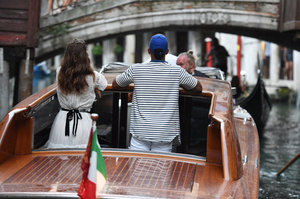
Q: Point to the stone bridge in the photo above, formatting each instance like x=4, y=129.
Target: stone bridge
x=277, y=21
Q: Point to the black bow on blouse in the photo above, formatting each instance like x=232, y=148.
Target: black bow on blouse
x=74, y=113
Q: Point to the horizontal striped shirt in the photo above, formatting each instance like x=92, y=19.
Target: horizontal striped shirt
x=154, y=112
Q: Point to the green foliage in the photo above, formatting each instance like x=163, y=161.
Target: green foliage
x=283, y=91
x=59, y=29
x=97, y=50
x=118, y=49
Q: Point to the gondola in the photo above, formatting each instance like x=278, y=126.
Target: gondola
x=258, y=104
x=229, y=167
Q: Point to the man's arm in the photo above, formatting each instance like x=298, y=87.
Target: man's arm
x=187, y=82
x=124, y=80
x=198, y=87
x=116, y=86
x=194, y=91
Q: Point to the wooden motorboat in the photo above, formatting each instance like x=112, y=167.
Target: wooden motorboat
x=229, y=168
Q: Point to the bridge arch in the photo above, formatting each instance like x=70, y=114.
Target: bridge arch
x=259, y=19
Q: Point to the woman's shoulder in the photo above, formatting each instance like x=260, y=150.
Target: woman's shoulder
x=98, y=74
x=100, y=81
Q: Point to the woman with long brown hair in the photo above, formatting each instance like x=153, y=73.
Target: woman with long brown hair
x=76, y=86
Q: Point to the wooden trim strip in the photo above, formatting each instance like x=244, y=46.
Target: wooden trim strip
x=8, y=121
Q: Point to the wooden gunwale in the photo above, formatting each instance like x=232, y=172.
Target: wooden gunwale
x=26, y=106
x=249, y=142
x=20, y=113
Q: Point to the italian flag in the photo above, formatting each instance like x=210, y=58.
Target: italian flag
x=93, y=167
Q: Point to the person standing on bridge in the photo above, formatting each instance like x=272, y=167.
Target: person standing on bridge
x=219, y=56
x=76, y=86
x=154, y=117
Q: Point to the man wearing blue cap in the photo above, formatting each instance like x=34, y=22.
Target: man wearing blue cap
x=154, y=124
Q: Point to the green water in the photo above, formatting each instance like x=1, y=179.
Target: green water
x=279, y=143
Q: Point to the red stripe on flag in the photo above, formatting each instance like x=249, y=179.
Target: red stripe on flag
x=90, y=189
x=93, y=168
x=85, y=164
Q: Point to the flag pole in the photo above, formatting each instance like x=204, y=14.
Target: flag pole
x=94, y=117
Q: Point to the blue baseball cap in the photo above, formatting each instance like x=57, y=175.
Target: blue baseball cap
x=158, y=41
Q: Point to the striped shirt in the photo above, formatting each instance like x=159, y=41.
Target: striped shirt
x=154, y=113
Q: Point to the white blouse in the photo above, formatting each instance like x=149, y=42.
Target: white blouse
x=85, y=99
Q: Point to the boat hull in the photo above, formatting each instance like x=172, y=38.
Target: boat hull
x=229, y=169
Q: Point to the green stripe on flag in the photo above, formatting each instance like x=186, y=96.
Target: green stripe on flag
x=96, y=147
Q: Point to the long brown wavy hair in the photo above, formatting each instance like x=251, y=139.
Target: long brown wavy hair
x=75, y=66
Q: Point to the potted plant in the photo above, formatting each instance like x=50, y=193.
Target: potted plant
x=97, y=55
x=118, y=49
x=97, y=50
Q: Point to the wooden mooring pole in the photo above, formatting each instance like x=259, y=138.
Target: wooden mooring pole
x=4, y=88
x=26, y=75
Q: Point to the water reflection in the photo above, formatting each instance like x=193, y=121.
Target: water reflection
x=278, y=145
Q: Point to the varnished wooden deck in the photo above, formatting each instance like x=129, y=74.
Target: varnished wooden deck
x=62, y=173
x=150, y=173
x=46, y=173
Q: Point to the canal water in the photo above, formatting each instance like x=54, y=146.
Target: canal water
x=279, y=143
